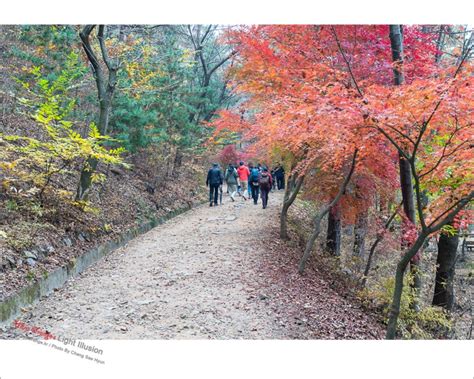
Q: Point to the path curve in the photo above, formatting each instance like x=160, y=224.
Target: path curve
x=193, y=277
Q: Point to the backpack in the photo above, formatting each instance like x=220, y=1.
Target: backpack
x=231, y=174
x=254, y=175
x=264, y=181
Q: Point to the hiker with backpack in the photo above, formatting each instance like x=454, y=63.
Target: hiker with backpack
x=254, y=186
x=214, y=181
x=265, y=182
x=231, y=178
x=243, y=173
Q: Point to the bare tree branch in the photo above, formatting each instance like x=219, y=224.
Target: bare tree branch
x=433, y=227
x=452, y=211
x=85, y=35
x=222, y=62
x=103, y=49
x=206, y=34
x=347, y=61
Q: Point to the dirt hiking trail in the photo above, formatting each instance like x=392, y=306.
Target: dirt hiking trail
x=211, y=273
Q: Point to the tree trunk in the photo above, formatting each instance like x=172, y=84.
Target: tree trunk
x=90, y=166
x=105, y=93
x=445, y=269
x=466, y=46
x=323, y=212
x=440, y=44
x=360, y=232
x=396, y=42
x=406, y=186
x=333, y=239
x=284, y=209
x=312, y=240
x=85, y=181
x=382, y=204
x=292, y=189
x=397, y=292
x=378, y=239
x=369, y=259
x=178, y=160
x=409, y=209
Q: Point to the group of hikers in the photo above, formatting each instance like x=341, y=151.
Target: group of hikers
x=244, y=181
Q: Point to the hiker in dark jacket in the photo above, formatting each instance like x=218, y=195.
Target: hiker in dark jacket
x=280, y=177
x=231, y=180
x=253, y=183
x=265, y=181
x=273, y=177
x=214, y=181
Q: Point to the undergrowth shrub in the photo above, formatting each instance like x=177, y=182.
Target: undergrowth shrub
x=427, y=323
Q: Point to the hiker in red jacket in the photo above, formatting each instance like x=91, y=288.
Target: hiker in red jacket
x=243, y=172
x=265, y=181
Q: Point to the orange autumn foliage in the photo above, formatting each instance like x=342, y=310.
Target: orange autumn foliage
x=318, y=92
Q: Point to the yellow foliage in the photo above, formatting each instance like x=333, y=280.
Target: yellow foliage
x=30, y=162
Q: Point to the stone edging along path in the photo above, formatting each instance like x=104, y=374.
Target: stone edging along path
x=10, y=307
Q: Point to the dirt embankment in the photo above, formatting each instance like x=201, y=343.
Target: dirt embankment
x=35, y=240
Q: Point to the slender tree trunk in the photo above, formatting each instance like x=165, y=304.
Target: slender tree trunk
x=333, y=239
x=445, y=269
x=466, y=46
x=312, y=239
x=121, y=33
x=409, y=209
x=105, y=92
x=447, y=245
x=440, y=44
x=178, y=161
x=369, y=259
x=292, y=189
x=396, y=43
x=378, y=239
x=322, y=213
x=284, y=209
x=383, y=204
x=85, y=180
x=406, y=184
x=170, y=162
x=360, y=232
x=397, y=294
